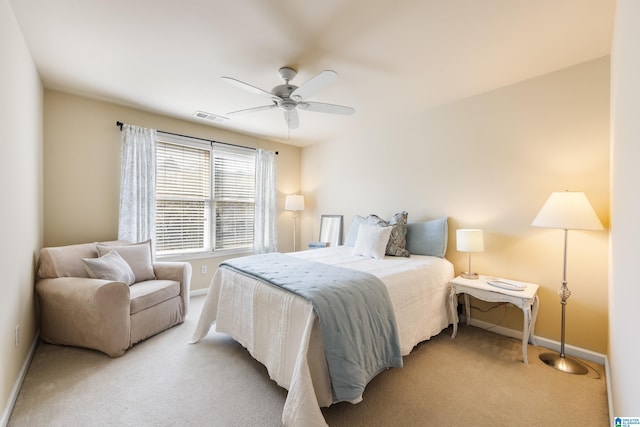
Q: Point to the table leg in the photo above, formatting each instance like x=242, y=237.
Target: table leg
x=467, y=308
x=534, y=316
x=525, y=332
x=454, y=311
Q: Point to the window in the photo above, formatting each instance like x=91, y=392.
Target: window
x=204, y=196
x=234, y=190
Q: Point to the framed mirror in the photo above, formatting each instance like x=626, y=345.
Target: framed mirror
x=331, y=229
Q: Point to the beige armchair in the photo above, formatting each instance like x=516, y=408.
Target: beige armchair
x=82, y=305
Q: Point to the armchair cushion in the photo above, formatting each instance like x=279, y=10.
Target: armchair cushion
x=65, y=261
x=151, y=292
x=137, y=255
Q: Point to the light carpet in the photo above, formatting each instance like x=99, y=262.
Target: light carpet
x=476, y=379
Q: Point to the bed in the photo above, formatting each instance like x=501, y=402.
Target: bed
x=280, y=329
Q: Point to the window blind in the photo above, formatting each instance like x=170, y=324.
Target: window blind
x=234, y=190
x=183, y=197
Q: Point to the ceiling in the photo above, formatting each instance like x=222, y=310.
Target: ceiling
x=392, y=57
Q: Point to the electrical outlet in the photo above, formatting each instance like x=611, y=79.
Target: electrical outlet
x=204, y=269
x=17, y=335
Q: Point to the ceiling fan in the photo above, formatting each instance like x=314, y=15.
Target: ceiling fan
x=289, y=97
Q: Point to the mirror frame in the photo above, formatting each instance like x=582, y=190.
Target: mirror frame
x=331, y=229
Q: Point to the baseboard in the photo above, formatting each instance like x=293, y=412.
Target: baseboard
x=607, y=372
x=544, y=342
x=18, y=384
x=571, y=350
x=198, y=292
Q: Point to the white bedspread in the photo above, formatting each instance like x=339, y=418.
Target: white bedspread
x=280, y=330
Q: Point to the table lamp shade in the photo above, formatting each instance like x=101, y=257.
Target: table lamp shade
x=568, y=210
x=294, y=202
x=469, y=240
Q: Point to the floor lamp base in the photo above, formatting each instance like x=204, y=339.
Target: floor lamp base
x=564, y=364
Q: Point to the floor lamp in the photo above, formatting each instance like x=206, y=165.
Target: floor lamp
x=295, y=203
x=567, y=210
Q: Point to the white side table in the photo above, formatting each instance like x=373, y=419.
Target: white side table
x=526, y=299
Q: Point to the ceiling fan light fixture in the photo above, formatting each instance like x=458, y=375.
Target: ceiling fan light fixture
x=288, y=104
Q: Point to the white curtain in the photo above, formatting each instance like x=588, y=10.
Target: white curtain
x=137, y=184
x=265, y=237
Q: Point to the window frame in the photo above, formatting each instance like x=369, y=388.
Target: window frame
x=210, y=236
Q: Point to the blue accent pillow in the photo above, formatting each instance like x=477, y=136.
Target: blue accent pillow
x=428, y=237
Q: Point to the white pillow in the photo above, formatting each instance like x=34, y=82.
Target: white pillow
x=110, y=267
x=352, y=235
x=372, y=241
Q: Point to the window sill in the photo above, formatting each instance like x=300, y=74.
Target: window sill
x=204, y=255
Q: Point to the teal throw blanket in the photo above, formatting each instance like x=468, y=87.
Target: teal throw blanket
x=354, y=311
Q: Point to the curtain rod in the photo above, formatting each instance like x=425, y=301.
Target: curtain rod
x=120, y=124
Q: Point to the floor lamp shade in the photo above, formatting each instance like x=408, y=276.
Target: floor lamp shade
x=566, y=210
x=295, y=203
x=469, y=240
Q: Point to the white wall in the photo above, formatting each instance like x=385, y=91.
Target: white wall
x=490, y=162
x=21, y=196
x=624, y=330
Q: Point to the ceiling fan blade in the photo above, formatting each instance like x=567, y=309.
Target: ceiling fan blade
x=321, y=107
x=250, y=88
x=314, y=84
x=253, y=110
x=291, y=117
